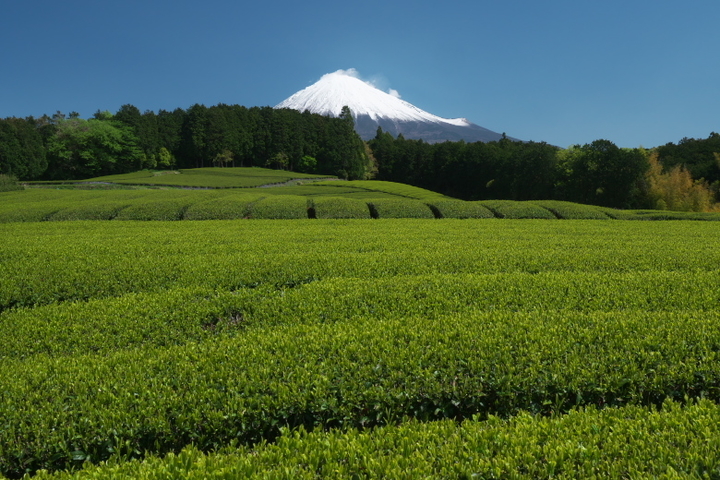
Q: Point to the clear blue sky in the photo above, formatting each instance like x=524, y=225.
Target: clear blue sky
x=636, y=72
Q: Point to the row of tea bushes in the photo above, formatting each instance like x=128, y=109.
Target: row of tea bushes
x=618, y=443
x=399, y=208
x=517, y=210
x=348, y=374
x=209, y=177
x=129, y=338
x=572, y=211
x=231, y=207
x=271, y=203
x=48, y=262
x=132, y=321
x=339, y=207
x=460, y=209
x=180, y=315
x=279, y=207
x=378, y=186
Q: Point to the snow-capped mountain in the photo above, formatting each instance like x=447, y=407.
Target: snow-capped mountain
x=371, y=107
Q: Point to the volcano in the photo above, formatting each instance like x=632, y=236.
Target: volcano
x=372, y=108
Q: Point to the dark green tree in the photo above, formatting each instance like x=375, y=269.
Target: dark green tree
x=193, y=144
x=22, y=153
x=696, y=155
x=600, y=173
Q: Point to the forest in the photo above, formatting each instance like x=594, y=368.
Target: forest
x=66, y=147
x=682, y=176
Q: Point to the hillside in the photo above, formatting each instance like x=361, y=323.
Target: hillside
x=259, y=193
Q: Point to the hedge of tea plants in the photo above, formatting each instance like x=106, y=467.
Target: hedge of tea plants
x=629, y=442
x=338, y=200
x=135, y=338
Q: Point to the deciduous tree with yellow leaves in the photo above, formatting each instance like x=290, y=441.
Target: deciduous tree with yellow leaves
x=675, y=189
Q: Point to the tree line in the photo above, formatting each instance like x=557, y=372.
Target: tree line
x=66, y=147
x=682, y=177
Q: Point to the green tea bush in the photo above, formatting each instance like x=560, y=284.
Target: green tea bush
x=460, y=209
x=155, y=210
x=517, y=210
x=127, y=338
x=101, y=211
x=211, y=177
x=668, y=215
x=393, y=188
x=280, y=207
x=9, y=183
x=59, y=261
x=31, y=213
x=338, y=207
x=572, y=211
x=229, y=207
x=399, y=208
x=628, y=442
x=326, y=189
x=341, y=299
x=178, y=315
x=35, y=205
x=352, y=374
x=142, y=320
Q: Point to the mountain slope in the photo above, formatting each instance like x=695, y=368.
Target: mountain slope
x=371, y=107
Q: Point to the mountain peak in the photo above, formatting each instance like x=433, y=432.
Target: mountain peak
x=372, y=107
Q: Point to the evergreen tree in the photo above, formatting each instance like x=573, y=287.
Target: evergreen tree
x=22, y=153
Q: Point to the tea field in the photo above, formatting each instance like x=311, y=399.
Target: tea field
x=318, y=200
x=348, y=348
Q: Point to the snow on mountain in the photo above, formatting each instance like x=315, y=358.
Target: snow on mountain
x=371, y=107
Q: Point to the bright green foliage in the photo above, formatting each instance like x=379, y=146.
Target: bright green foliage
x=352, y=373
x=307, y=164
x=461, y=209
x=399, y=189
x=313, y=190
x=338, y=207
x=333, y=189
x=226, y=207
x=166, y=159
x=85, y=148
x=170, y=209
x=73, y=261
x=399, y=208
x=517, y=210
x=75, y=327
x=36, y=205
x=207, y=177
x=132, y=338
x=629, y=442
x=104, y=326
x=8, y=183
x=662, y=215
x=572, y=211
x=89, y=211
x=45, y=207
x=658, y=215
x=280, y=207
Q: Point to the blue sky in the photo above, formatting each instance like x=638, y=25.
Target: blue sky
x=633, y=72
